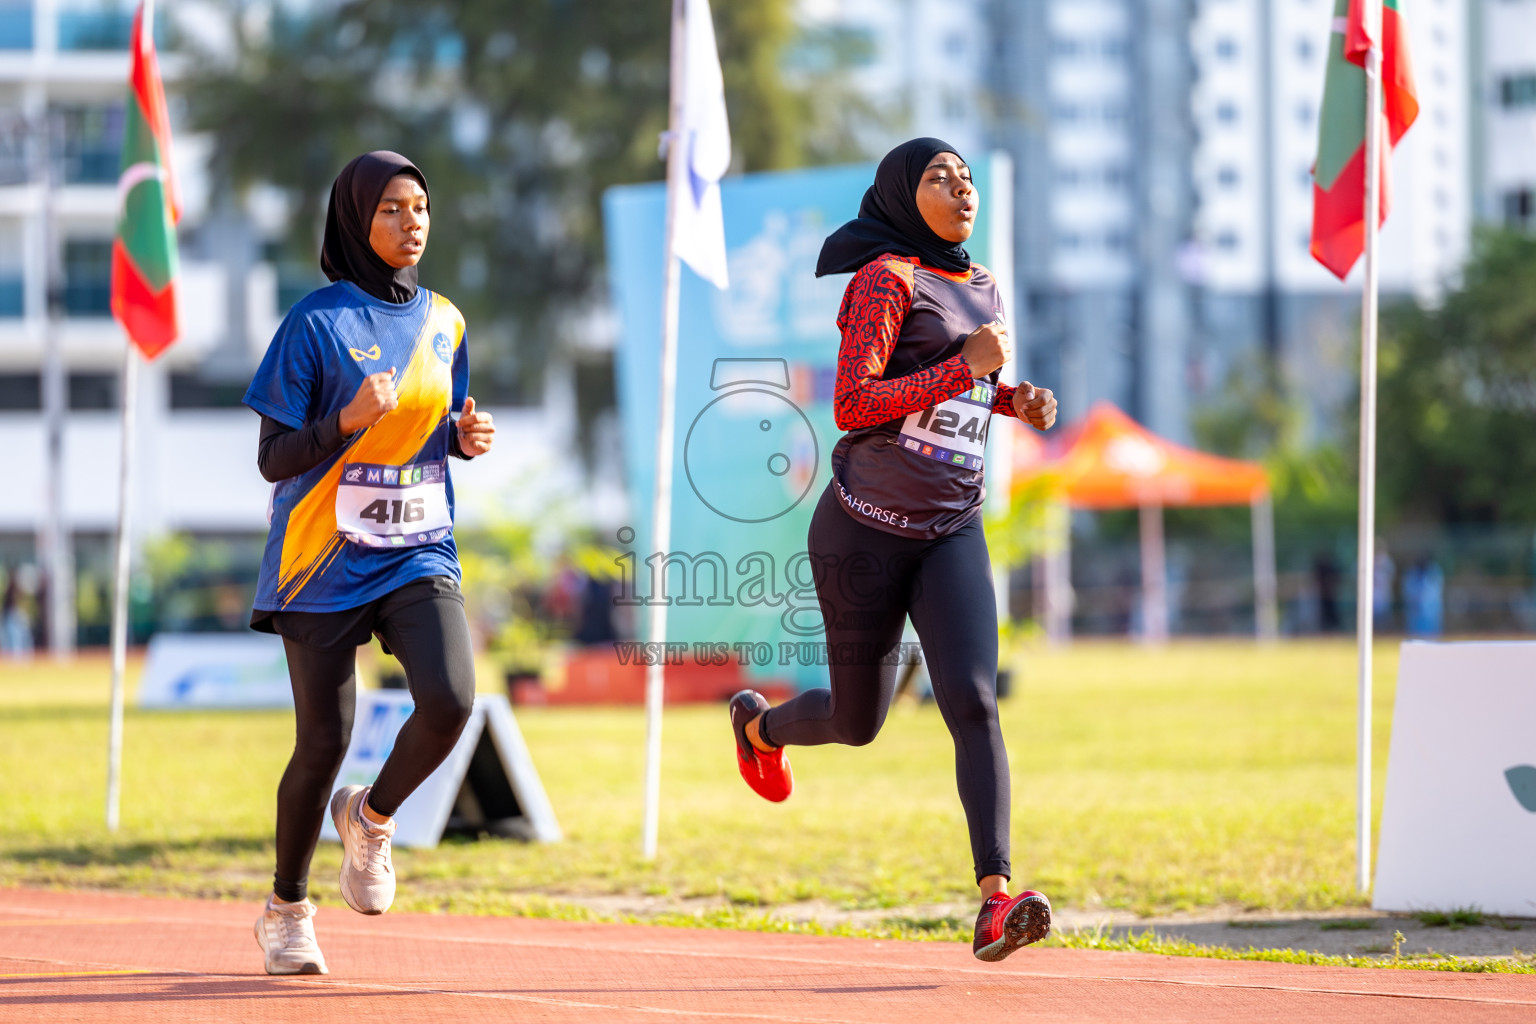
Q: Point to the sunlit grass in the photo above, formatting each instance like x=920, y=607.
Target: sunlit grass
x=1199, y=775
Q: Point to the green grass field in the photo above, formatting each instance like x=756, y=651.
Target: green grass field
x=1204, y=774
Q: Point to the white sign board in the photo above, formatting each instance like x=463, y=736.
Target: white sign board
x=215, y=670
x=1458, y=825
x=487, y=781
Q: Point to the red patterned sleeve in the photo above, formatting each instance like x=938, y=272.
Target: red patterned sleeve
x=874, y=306
x=1002, y=405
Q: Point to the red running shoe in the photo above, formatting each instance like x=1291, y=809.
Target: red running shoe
x=767, y=774
x=1005, y=924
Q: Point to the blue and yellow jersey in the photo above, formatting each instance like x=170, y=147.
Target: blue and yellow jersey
x=379, y=512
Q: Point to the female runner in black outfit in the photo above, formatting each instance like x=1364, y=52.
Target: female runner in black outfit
x=898, y=531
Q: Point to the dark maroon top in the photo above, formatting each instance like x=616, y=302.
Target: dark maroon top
x=911, y=462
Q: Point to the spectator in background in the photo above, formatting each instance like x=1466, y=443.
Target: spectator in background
x=596, y=625
x=15, y=623
x=1326, y=571
x=1424, y=598
x=1381, y=594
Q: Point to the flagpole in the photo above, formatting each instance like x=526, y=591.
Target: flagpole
x=661, y=497
x=120, y=587
x=146, y=25
x=1366, y=557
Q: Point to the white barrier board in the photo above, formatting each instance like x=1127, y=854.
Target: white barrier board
x=487, y=781
x=215, y=670
x=1458, y=824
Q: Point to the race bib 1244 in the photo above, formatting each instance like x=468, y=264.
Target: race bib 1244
x=393, y=506
x=954, y=431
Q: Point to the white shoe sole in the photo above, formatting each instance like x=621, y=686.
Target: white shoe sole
x=340, y=806
x=306, y=967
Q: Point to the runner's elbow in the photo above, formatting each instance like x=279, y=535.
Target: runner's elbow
x=268, y=471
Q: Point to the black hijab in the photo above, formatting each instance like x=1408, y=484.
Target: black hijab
x=345, y=255
x=889, y=220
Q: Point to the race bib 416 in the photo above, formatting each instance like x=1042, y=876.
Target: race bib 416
x=393, y=506
x=954, y=431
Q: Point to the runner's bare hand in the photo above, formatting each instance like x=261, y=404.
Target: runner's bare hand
x=987, y=348
x=476, y=431
x=375, y=397
x=1035, y=406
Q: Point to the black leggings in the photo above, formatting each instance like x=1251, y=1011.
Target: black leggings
x=423, y=625
x=868, y=582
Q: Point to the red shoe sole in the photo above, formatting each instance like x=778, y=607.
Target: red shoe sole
x=769, y=775
x=1028, y=921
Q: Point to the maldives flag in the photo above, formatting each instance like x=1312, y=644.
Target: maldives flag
x=144, y=259
x=1338, y=177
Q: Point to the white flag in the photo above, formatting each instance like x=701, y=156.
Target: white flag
x=699, y=233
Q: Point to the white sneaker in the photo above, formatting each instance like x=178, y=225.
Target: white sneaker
x=286, y=934
x=367, y=876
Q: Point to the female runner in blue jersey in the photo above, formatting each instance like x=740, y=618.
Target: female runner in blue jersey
x=356, y=395
x=898, y=531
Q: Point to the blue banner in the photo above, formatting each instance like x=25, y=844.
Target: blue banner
x=754, y=429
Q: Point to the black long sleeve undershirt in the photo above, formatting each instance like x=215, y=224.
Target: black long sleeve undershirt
x=284, y=452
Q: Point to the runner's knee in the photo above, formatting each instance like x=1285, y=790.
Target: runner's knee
x=320, y=751
x=443, y=707
x=858, y=730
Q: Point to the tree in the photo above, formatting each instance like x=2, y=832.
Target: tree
x=1458, y=395
x=1257, y=416
x=519, y=114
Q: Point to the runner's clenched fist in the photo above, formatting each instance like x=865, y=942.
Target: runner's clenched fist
x=1035, y=406
x=375, y=397
x=476, y=431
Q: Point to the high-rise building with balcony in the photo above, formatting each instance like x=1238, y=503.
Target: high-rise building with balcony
x=1259, y=80
x=1504, y=111
x=1163, y=153
x=63, y=84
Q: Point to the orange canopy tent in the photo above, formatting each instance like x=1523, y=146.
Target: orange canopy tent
x=1107, y=460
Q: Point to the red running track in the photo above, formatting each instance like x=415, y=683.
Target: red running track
x=73, y=956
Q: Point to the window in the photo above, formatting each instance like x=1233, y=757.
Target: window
x=297, y=276
x=954, y=44
x=1227, y=177
x=88, y=278
x=1114, y=47
x=1063, y=46
x=12, y=269
x=1304, y=50
x=1304, y=179
x=1227, y=241
x=1069, y=240
x=1065, y=112
x=15, y=165
x=1226, y=113
x=90, y=149
x=1517, y=90
x=1068, y=177
x=1117, y=240
x=21, y=392
x=1226, y=48
x=1305, y=113
x=93, y=391
x=1519, y=206
x=85, y=26
x=1116, y=176
x=15, y=24
x=1114, y=112
x=190, y=391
